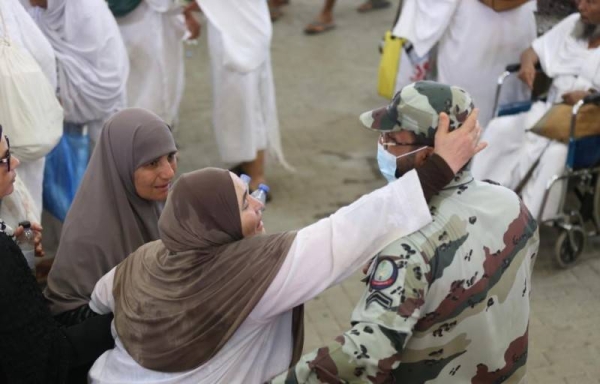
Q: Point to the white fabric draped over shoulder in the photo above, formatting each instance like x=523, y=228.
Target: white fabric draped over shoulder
x=474, y=44
x=22, y=30
x=156, y=75
x=567, y=60
x=91, y=57
x=422, y=27
x=246, y=31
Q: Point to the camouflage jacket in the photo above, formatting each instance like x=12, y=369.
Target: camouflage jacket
x=447, y=304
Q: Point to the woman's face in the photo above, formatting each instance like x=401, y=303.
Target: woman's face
x=250, y=208
x=7, y=178
x=153, y=180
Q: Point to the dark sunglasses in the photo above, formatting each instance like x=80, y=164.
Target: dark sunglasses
x=6, y=158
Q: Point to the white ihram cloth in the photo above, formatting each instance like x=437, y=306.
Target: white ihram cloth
x=474, y=44
x=321, y=255
x=244, y=108
x=23, y=31
x=26, y=203
x=91, y=59
x=153, y=34
x=512, y=150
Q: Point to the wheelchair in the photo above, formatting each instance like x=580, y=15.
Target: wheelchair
x=578, y=216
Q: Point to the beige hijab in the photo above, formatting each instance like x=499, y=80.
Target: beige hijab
x=178, y=300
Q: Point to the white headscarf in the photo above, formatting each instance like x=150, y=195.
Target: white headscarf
x=92, y=60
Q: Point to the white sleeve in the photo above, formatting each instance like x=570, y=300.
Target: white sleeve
x=102, y=300
x=422, y=27
x=330, y=250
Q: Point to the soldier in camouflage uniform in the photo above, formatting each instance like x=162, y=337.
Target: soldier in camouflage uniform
x=449, y=303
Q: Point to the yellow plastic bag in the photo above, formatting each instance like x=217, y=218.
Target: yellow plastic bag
x=388, y=66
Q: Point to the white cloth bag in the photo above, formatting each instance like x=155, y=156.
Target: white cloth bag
x=30, y=113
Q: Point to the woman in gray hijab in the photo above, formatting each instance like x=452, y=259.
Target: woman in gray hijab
x=115, y=210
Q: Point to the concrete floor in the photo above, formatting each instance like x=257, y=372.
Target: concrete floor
x=323, y=83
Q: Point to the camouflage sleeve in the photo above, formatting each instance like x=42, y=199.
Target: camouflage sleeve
x=382, y=323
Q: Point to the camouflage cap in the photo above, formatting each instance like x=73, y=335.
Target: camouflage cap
x=417, y=107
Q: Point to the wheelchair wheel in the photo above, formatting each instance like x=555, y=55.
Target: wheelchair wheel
x=596, y=206
x=569, y=246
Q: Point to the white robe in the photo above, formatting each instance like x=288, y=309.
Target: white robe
x=156, y=63
x=512, y=150
x=91, y=59
x=244, y=108
x=26, y=202
x=321, y=255
x=474, y=44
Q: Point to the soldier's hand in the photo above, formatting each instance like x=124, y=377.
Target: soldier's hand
x=459, y=146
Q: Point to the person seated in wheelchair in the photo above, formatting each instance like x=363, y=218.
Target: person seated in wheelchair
x=569, y=54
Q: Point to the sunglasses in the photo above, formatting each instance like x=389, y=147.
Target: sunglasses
x=387, y=141
x=6, y=158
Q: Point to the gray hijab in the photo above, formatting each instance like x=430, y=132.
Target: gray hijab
x=108, y=220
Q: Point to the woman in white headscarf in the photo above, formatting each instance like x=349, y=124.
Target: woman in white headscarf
x=92, y=63
x=18, y=28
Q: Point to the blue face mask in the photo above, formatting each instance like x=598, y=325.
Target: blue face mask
x=387, y=162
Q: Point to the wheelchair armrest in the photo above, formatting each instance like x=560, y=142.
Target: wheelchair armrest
x=592, y=98
x=513, y=67
x=517, y=67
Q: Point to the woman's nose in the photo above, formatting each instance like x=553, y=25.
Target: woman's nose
x=14, y=162
x=166, y=170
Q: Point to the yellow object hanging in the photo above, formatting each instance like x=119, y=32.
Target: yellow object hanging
x=388, y=66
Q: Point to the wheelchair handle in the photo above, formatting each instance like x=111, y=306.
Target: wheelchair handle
x=517, y=67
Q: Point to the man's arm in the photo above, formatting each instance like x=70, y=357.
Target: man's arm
x=382, y=324
x=529, y=60
x=102, y=300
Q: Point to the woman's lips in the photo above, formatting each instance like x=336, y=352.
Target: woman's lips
x=163, y=187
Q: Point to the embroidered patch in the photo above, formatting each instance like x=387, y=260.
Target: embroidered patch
x=385, y=274
x=378, y=297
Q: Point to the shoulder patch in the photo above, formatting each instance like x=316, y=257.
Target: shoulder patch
x=385, y=274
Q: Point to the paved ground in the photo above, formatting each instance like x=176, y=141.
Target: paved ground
x=323, y=83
